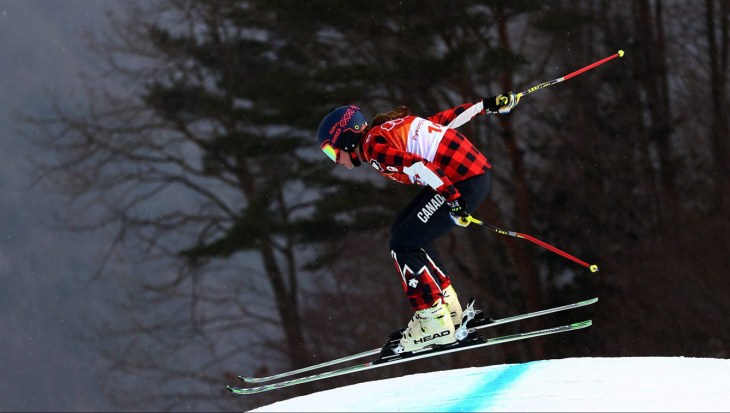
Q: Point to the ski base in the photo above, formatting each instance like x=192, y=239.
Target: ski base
x=474, y=341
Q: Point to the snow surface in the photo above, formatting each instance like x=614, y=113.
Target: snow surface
x=666, y=384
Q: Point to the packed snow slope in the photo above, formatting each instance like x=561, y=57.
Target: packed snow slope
x=635, y=384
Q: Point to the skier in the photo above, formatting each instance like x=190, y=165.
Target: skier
x=428, y=152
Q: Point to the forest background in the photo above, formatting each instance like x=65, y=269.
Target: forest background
x=212, y=238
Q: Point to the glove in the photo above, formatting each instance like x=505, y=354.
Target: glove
x=457, y=208
x=501, y=103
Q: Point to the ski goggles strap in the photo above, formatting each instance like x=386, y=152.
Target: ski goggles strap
x=330, y=151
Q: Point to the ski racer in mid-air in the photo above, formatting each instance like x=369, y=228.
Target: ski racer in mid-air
x=456, y=179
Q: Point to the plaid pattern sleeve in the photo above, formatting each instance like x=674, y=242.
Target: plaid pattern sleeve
x=406, y=167
x=443, y=118
x=459, y=158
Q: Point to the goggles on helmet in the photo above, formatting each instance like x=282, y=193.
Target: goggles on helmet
x=330, y=151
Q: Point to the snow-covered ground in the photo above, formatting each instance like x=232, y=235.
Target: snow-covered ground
x=638, y=384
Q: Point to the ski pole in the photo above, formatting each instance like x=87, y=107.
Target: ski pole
x=620, y=53
x=592, y=267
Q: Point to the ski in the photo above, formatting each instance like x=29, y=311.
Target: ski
x=475, y=341
x=477, y=324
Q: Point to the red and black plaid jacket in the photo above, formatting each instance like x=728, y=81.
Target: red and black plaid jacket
x=425, y=151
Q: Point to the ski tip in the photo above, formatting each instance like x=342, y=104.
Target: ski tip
x=244, y=391
x=252, y=379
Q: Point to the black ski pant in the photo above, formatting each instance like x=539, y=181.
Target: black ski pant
x=423, y=220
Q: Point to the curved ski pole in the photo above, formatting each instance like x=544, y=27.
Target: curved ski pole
x=592, y=267
x=620, y=53
x=478, y=107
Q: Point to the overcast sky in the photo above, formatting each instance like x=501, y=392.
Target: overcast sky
x=43, y=293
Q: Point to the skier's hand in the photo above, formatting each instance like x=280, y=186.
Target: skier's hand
x=457, y=209
x=502, y=103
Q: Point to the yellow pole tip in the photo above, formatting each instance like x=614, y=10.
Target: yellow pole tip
x=620, y=53
x=593, y=268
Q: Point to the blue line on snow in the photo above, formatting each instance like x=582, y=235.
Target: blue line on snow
x=481, y=397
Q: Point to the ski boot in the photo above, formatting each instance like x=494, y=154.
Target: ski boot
x=428, y=328
x=452, y=304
